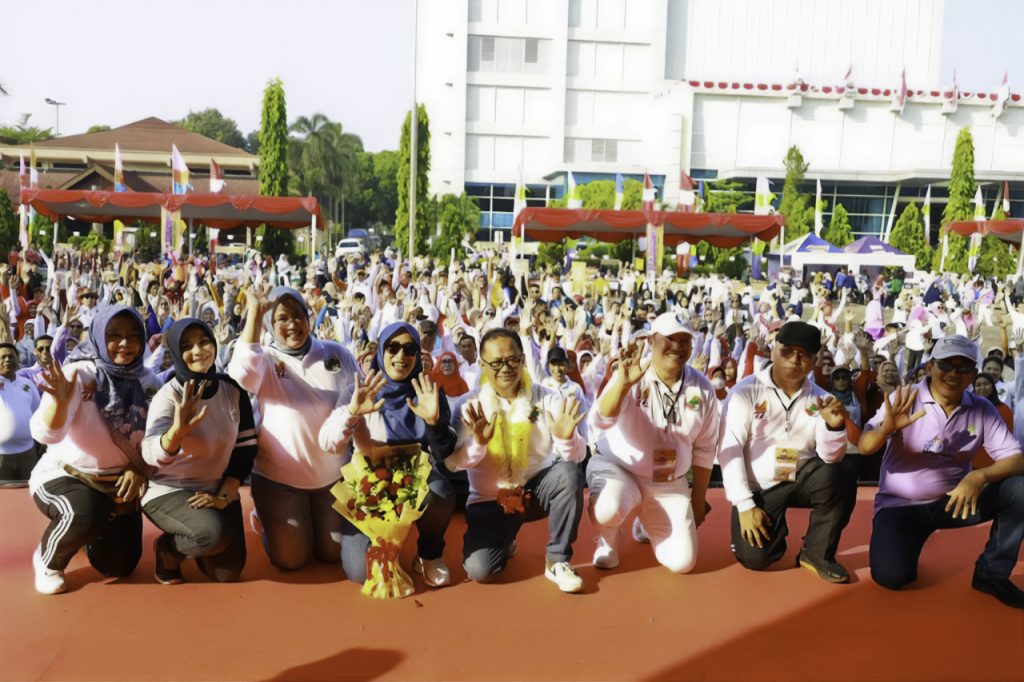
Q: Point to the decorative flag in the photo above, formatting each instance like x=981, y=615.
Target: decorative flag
x=700, y=196
x=979, y=205
x=119, y=185
x=952, y=96
x=763, y=197
x=848, y=75
x=926, y=211
x=650, y=192
x=216, y=178
x=575, y=197
x=899, y=95
x=620, y=191
x=945, y=250
x=819, y=212
x=1002, y=96
x=22, y=172
x=33, y=174
x=520, y=200
x=687, y=197
x=651, y=265
x=1006, y=198
x=179, y=172
x=974, y=250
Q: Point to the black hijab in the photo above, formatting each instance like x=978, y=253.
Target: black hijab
x=181, y=371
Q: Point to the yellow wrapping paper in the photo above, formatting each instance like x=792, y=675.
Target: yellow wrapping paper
x=385, y=578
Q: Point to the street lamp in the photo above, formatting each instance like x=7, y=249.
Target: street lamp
x=56, y=105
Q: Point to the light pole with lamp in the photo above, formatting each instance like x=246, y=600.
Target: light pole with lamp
x=56, y=105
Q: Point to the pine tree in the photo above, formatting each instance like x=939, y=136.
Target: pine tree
x=908, y=236
x=423, y=227
x=274, y=164
x=959, y=206
x=839, y=231
x=795, y=206
x=997, y=257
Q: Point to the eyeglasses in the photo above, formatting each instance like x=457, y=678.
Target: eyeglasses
x=947, y=366
x=504, y=363
x=407, y=349
x=447, y=362
x=791, y=351
x=88, y=296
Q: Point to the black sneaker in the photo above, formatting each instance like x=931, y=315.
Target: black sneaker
x=168, y=562
x=1000, y=588
x=829, y=571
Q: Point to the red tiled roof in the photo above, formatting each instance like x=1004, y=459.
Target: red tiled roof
x=148, y=135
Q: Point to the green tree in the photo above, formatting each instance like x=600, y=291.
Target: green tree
x=147, y=242
x=422, y=186
x=795, y=205
x=214, y=125
x=324, y=161
x=459, y=219
x=551, y=254
x=959, y=206
x=908, y=236
x=98, y=128
x=377, y=199
x=252, y=142
x=23, y=133
x=274, y=164
x=8, y=225
x=838, y=231
x=997, y=257
x=724, y=196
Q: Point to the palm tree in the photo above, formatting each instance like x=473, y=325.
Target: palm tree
x=324, y=160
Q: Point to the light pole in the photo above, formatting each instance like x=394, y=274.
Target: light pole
x=56, y=105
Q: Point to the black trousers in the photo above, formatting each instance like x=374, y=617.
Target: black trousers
x=215, y=538
x=898, y=534
x=83, y=517
x=829, y=490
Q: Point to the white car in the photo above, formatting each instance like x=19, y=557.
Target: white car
x=348, y=247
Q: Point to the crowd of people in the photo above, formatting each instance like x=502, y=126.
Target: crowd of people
x=131, y=389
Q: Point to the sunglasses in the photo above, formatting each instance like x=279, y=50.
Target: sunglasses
x=947, y=366
x=409, y=349
x=88, y=296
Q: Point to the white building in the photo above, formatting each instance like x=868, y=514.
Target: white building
x=716, y=88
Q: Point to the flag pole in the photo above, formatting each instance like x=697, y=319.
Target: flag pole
x=414, y=124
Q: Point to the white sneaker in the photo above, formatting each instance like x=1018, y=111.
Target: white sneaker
x=434, y=571
x=639, y=534
x=606, y=556
x=48, y=581
x=563, y=575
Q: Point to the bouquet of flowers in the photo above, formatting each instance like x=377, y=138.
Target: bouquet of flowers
x=381, y=495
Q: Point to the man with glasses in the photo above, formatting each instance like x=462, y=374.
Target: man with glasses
x=781, y=445
x=87, y=300
x=652, y=423
x=18, y=400
x=521, y=448
x=927, y=482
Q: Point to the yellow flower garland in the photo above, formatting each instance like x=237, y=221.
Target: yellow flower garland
x=509, y=447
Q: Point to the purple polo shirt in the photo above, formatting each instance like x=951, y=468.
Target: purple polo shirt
x=927, y=459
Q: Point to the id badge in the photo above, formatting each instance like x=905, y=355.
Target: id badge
x=785, y=464
x=664, y=465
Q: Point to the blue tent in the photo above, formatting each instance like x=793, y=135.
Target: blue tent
x=811, y=243
x=871, y=244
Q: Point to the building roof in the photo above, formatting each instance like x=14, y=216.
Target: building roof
x=148, y=135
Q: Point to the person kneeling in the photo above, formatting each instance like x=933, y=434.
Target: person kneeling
x=926, y=479
x=521, y=449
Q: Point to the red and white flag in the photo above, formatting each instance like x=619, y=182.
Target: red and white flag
x=1006, y=198
x=649, y=190
x=1002, y=96
x=216, y=178
x=687, y=195
x=22, y=172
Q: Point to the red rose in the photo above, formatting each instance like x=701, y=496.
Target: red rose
x=382, y=474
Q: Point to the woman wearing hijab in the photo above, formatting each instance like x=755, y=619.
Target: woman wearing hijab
x=985, y=386
x=297, y=380
x=93, y=418
x=446, y=376
x=201, y=438
x=411, y=409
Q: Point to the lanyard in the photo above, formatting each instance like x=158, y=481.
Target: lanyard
x=786, y=410
x=670, y=415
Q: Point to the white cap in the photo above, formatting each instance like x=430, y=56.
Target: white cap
x=955, y=346
x=668, y=324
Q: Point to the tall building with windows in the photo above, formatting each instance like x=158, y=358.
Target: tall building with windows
x=533, y=89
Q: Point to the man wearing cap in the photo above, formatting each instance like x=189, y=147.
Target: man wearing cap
x=652, y=423
x=927, y=482
x=781, y=443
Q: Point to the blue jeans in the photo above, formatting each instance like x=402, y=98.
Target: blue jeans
x=899, y=533
x=438, y=508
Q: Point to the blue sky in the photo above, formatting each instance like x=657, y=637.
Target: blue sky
x=116, y=61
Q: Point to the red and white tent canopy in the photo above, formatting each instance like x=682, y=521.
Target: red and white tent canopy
x=718, y=229
x=219, y=211
x=1009, y=230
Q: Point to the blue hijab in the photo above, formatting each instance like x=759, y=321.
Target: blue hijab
x=400, y=423
x=120, y=397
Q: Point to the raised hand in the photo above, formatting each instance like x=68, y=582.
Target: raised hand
x=476, y=421
x=56, y=384
x=897, y=410
x=188, y=414
x=566, y=419
x=628, y=365
x=428, y=404
x=364, y=396
x=701, y=362
x=832, y=411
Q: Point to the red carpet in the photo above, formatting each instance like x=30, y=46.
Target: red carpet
x=638, y=622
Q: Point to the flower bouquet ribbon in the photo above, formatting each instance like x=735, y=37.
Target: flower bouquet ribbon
x=381, y=495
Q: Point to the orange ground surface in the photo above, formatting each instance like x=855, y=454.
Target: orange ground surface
x=638, y=622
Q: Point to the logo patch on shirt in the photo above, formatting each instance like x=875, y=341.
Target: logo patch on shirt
x=972, y=429
x=332, y=364
x=89, y=391
x=279, y=369
x=761, y=410
x=811, y=410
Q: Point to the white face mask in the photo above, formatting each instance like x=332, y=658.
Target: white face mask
x=718, y=383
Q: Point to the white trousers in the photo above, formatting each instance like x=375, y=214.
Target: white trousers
x=664, y=510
